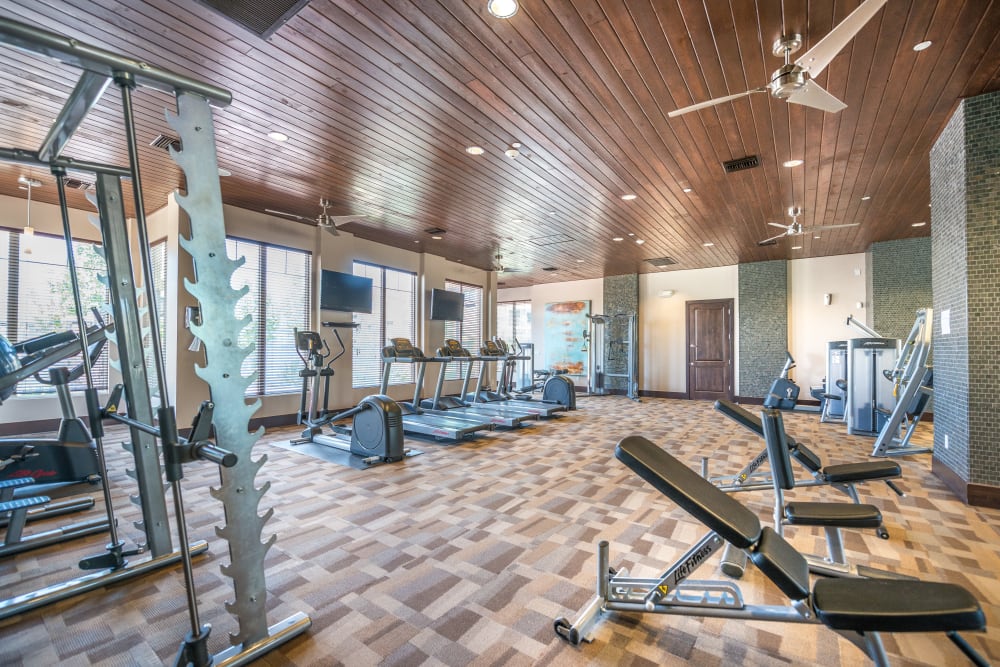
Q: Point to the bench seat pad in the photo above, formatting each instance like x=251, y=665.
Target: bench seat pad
x=884, y=605
x=856, y=472
x=843, y=515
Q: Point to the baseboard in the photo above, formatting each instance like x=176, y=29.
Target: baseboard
x=23, y=428
x=651, y=393
x=978, y=495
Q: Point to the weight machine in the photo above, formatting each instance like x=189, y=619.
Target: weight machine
x=227, y=412
x=613, y=357
x=912, y=386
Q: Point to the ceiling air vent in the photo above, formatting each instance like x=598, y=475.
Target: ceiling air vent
x=77, y=184
x=261, y=17
x=435, y=230
x=739, y=164
x=164, y=141
x=550, y=239
x=549, y=268
x=662, y=261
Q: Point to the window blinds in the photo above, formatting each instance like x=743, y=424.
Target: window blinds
x=394, y=314
x=470, y=330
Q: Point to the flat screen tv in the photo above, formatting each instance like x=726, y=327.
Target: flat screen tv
x=345, y=292
x=445, y=305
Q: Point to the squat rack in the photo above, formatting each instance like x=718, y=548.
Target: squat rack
x=227, y=411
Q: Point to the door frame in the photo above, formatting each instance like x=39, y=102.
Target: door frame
x=730, y=304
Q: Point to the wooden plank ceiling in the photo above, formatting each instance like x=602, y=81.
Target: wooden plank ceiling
x=380, y=99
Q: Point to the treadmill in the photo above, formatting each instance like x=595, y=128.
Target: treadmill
x=415, y=419
x=498, y=413
x=491, y=352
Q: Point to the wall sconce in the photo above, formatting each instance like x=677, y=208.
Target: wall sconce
x=827, y=299
x=860, y=305
x=666, y=294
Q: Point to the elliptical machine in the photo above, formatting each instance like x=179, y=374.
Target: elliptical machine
x=376, y=431
x=784, y=393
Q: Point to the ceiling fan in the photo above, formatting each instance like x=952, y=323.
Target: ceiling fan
x=500, y=267
x=324, y=220
x=794, y=82
x=796, y=228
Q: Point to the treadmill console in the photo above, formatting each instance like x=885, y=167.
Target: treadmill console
x=490, y=349
x=455, y=349
x=402, y=348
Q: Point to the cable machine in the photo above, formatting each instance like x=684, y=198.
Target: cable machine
x=613, y=357
x=227, y=412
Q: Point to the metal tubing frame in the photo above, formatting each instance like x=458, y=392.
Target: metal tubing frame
x=85, y=95
x=128, y=329
x=23, y=156
x=105, y=63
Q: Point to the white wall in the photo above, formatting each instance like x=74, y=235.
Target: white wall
x=811, y=324
x=662, y=322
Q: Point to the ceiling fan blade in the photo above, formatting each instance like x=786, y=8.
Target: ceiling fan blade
x=772, y=240
x=710, y=103
x=819, y=56
x=344, y=219
x=813, y=95
x=331, y=229
x=300, y=218
x=778, y=224
x=822, y=227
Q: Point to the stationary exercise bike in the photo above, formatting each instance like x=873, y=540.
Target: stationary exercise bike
x=376, y=431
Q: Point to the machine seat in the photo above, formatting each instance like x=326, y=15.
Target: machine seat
x=873, y=605
x=840, y=515
x=864, y=470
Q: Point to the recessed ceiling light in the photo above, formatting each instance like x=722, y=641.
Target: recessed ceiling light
x=277, y=136
x=224, y=172
x=708, y=244
x=639, y=241
x=866, y=198
x=791, y=163
x=686, y=190
x=517, y=221
x=502, y=9
x=580, y=261
x=631, y=234
x=918, y=224
x=618, y=238
x=796, y=247
x=922, y=45
x=552, y=212
x=629, y=197
x=816, y=237
x=437, y=238
x=474, y=150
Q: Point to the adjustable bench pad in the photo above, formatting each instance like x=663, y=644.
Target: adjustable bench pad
x=842, y=515
x=715, y=509
x=883, y=605
x=865, y=470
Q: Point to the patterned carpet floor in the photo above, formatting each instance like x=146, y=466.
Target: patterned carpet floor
x=466, y=554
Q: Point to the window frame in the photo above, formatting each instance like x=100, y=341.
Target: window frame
x=379, y=300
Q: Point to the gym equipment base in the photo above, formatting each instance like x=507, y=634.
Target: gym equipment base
x=334, y=455
x=67, y=589
x=277, y=634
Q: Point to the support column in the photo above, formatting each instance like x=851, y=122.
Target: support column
x=621, y=295
x=763, y=325
x=965, y=256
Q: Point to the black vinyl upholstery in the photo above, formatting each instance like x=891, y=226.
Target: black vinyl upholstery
x=840, y=515
x=865, y=470
x=781, y=563
x=714, y=508
x=873, y=605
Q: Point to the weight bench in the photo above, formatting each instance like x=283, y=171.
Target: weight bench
x=858, y=609
x=843, y=477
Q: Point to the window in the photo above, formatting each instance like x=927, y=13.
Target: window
x=394, y=315
x=470, y=330
x=514, y=321
x=158, y=262
x=38, y=296
x=279, y=300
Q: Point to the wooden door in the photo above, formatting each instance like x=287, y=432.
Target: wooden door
x=710, y=349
